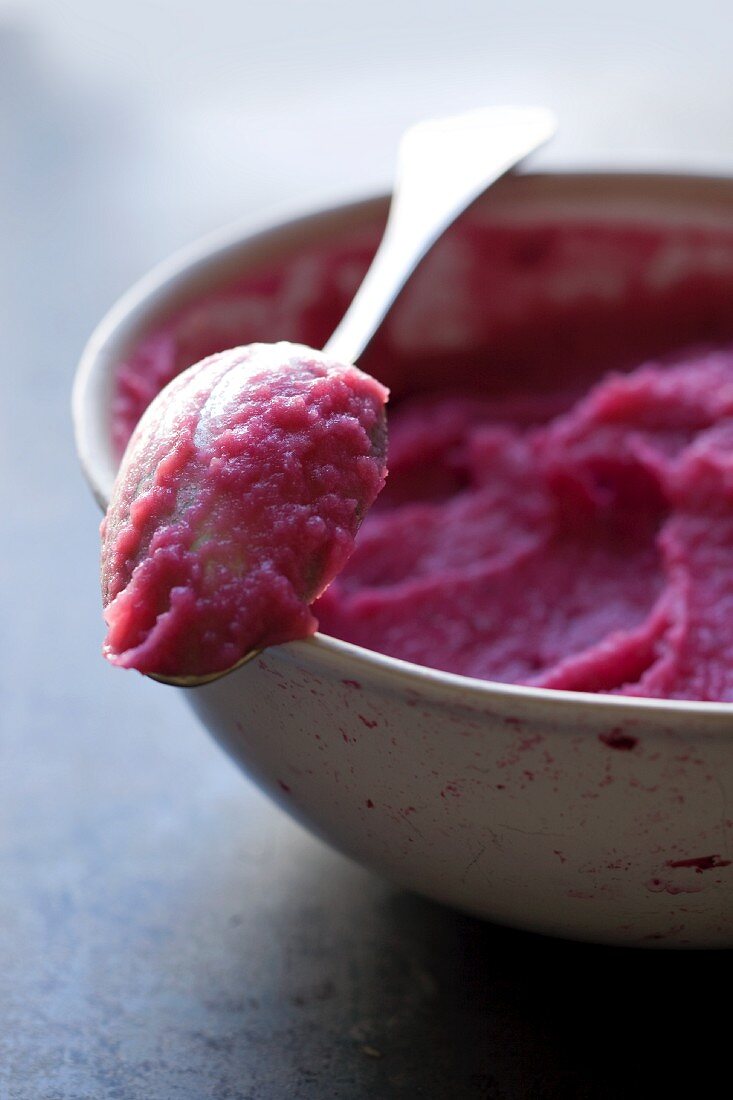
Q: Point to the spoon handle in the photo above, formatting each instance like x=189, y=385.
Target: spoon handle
x=443, y=165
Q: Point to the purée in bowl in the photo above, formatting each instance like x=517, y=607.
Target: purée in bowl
x=597, y=817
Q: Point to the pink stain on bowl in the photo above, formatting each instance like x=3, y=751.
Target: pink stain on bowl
x=700, y=863
x=617, y=739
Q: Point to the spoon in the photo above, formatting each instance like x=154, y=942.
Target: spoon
x=443, y=166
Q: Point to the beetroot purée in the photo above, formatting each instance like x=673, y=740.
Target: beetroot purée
x=236, y=504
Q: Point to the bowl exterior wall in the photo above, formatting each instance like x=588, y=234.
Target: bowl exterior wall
x=563, y=820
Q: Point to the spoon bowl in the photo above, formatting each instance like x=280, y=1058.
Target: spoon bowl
x=199, y=681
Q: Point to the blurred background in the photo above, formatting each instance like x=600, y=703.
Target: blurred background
x=144, y=123
x=164, y=931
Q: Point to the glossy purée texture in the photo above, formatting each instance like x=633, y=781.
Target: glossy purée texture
x=237, y=502
x=591, y=550
x=591, y=816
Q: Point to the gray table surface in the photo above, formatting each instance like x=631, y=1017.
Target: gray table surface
x=165, y=932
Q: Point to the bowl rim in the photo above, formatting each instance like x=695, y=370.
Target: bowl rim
x=92, y=386
x=453, y=685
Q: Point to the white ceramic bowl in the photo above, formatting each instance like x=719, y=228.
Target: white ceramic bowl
x=587, y=816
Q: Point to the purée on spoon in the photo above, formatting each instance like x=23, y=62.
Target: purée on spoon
x=237, y=502
x=444, y=165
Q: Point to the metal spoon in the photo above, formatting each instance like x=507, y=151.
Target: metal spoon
x=443, y=165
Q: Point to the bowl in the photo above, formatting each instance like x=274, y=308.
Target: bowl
x=592, y=817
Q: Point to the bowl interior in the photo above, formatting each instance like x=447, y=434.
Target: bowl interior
x=545, y=284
